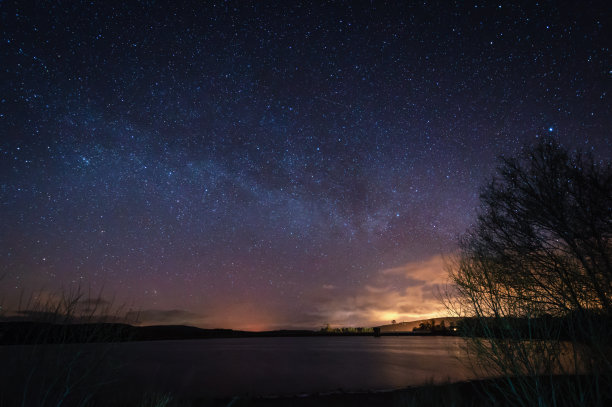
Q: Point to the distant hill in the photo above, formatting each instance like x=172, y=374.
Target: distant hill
x=25, y=332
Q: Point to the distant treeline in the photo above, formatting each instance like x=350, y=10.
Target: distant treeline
x=573, y=326
x=346, y=330
x=440, y=328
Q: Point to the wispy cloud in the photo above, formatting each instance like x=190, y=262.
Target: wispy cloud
x=165, y=317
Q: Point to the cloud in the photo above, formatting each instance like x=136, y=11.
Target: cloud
x=69, y=307
x=94, y=305
x=164, y=317
x=429, y=271
x=405, y=293
x=57, y=317
x=143, y=317
x=94, y=302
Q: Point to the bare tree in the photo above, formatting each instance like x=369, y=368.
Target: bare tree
x=535, y=274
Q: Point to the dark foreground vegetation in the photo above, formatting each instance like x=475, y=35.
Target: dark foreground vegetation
x=566, y=392
x=479, y=393
x=464, y=394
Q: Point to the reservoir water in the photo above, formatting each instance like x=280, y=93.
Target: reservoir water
x=265, y=366
x=254, y=366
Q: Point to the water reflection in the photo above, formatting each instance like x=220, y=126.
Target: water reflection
x=254, y=366
x=261, y=366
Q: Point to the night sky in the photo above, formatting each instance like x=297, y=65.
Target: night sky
x=264, y=165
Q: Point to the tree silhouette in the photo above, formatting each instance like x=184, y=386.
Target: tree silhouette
x=538, y=265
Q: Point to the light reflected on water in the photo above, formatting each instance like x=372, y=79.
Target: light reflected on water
x=254, y=366
x=263, y=366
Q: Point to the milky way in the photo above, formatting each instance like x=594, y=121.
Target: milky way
x=263, y=165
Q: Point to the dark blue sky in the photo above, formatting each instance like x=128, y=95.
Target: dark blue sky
x=266, y=164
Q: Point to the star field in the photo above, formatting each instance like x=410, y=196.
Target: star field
x=269, y=164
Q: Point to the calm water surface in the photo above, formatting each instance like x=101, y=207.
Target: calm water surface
x=265, y=366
